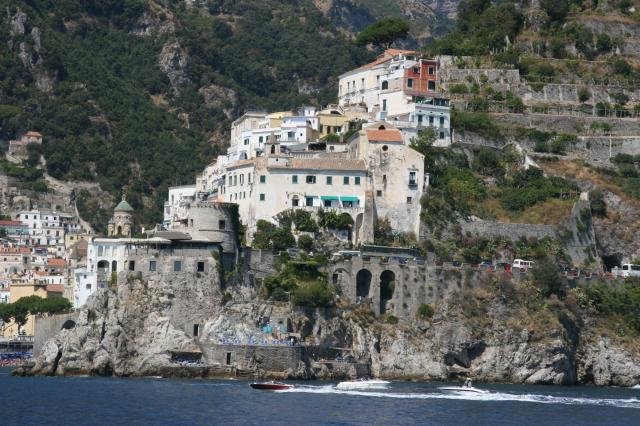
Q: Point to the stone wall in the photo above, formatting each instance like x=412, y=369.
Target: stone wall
x=47, y=327
x=512, y=231
x=249, y=357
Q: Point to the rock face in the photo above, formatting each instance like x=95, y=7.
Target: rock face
x=173, y=62
x=134, y=329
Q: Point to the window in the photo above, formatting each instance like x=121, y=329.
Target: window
x=132, y=265
x=196, y=329
x=329, y=180
x=295, y=201
x=431, y=85
x=200, y=266
x=431, y=121
x=327, y=203
x=152, y=266
x=309, y=201
x=222, y=224
x=291, y=135
x=260, y=139
x=87, y=286
x=409, y=200
x=311, y=179
x=409, y=82
x=241, y=179
x=262, y=197
x=412, y=179
x=385, y=85
x=379, y=193
x=441, y=135
x=356, y=180
x=441, y=121
x=345, y=180
x=431, y=70
x=263, y=178
x=246, y=141
x=294, y=179
x=177, y=266
x=384, y=104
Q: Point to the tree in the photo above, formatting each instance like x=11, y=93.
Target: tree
x=383, y=32
x=547, y=277
x=424, y=141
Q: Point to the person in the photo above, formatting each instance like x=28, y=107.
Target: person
x=467, y=383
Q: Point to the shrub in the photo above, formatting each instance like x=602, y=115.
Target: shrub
x=583, y=94
x=598, y=205
x=621, y=67
x=546, y=277
x=603, y=109
x=477, y=122
x=305, y=242
x=314, y=294
x=425, y=311
x=391, y=319
x=459, y=88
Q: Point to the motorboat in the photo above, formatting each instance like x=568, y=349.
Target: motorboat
x=272, y=385
x=362, y=384
x=466, y=389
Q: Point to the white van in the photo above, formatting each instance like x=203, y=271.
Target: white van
x=627, y=270
x=522, y=264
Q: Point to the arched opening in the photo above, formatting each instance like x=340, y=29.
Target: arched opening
x=103, y=265
x=114, y=266
x=363, y=283
x=381, y=127
x=119, y=231
x=68, y=324
x=295, y=201
x=387, y=286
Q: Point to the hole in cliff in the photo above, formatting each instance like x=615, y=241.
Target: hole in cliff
x=68, y=324
x=612, y=261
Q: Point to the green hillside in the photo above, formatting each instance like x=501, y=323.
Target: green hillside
x=88, y=76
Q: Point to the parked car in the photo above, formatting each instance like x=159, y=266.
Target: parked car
x=486, y=265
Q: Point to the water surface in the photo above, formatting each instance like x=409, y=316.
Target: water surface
x=95, y=400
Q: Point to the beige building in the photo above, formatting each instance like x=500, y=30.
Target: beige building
x=121, y=225
x=24, y=286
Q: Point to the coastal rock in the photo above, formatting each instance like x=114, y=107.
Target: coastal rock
x=606, y=364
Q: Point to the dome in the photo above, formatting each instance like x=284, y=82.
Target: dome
x=123, y=206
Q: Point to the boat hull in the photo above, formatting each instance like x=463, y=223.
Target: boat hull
x=459, y=390
x=362, y=385
x=271, y=386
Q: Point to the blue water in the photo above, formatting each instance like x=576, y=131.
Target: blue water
x=114, y=401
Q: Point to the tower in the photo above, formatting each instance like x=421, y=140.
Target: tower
x=121, y=224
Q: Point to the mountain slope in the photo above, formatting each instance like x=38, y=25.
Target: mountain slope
x=139, y=94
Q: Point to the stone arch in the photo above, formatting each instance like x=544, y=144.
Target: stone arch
x=363, y=283
x=387, y=287
x=68, y=324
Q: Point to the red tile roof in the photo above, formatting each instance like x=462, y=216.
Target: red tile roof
x=33, y=134
x=11, y=223
x=55, y=288
x=384, y=135
x=55, y=262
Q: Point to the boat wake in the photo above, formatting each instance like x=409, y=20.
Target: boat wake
x=488, y=397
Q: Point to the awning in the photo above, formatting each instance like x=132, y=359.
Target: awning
x=353, y=199
x=329, y=198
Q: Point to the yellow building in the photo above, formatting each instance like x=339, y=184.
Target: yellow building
x=24, y=286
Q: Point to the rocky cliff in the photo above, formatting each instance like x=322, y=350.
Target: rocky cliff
x=491, y=335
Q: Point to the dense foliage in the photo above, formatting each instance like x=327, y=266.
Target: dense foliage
x=112, y=114
x=383, y=32
x=301, y=282
x=19, y=310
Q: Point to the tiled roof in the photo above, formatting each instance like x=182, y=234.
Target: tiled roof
x=322, y=164
x=55, y=262
x=33, y=134
x=387, y=55
x=55, y=288
x=11, y=223
x=384, y=135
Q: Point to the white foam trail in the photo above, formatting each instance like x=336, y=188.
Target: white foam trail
x=489, y=397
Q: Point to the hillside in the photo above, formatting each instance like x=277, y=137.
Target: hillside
x=138, y=95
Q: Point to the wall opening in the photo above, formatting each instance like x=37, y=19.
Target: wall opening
x=200, y=266
x=228, y=360
x=68, y=324
x=387, y=286
x=363, y=283
x=196, y=330
x=114, y=266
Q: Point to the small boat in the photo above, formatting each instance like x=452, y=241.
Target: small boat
x=466, y=389
x=272, y=385
x=362, y=384
x=636, y=386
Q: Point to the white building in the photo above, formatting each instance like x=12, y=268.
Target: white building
x=177, y=196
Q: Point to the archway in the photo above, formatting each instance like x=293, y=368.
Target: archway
x=103, y=266
x=363, y=283
x=119, y=232
x=387, y=287
x=68, y=324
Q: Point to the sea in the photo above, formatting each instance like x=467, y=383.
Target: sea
x=157, y=401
